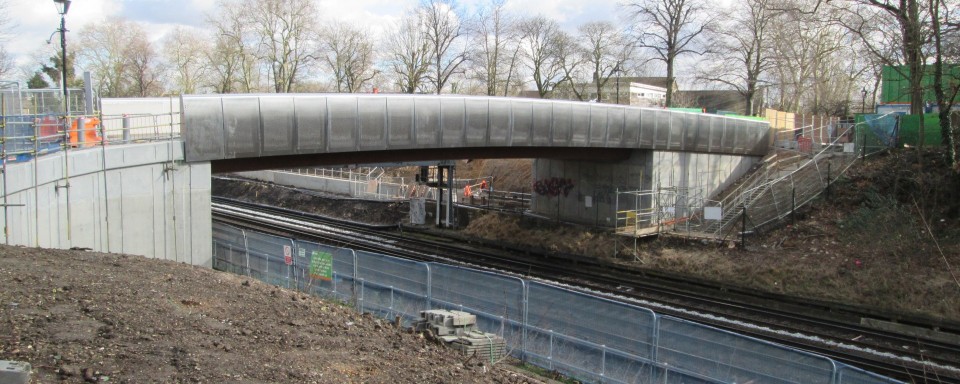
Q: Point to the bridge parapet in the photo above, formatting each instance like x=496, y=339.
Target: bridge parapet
x=243, y=126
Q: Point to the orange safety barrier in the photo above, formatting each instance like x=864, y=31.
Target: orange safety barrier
x=91, y=134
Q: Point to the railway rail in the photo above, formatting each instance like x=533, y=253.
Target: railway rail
x=801, y=324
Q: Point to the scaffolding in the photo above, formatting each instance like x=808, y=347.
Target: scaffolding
x=647, y=213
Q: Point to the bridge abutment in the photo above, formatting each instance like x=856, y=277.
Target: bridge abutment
x=585, y=192
x=139, y=199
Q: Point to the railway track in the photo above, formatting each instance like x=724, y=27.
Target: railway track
x=799, y=324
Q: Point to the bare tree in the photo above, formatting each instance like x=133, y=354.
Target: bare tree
x=119, y=57
x=445, y=31
x=572, y=63
x=911, y=23
x=348, y=52
x=742, y=49
x=911, y=26
x=805, y=47
x=408, y=52
x=145, y=68
x=498, y=48
x=286, y=33
x=183, y=51
x=539, y=35
x=605, y=51
x=670, y=28
x=6, y=61
x=946, y=85
x=232, y=59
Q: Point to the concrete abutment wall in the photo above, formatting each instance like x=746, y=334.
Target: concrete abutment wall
x=591, y=197
x=139, y=199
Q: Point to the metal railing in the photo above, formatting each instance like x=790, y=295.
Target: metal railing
x=28, y=136
x=790, y=182
x=591, y=338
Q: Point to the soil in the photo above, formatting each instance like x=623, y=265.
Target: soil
x=90, y=317
x=887, y=237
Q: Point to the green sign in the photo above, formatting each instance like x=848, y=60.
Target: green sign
x=321, y=265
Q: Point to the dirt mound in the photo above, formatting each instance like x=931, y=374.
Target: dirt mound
x=92, y=317
x=513, y=175
x=538, y=234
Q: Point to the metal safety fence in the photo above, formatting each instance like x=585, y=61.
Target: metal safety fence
x=784, y=184
x=587, y=337
x=25, y=137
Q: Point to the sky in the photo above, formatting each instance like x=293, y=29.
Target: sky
x=35, y=20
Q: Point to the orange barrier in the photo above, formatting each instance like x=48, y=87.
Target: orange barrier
x=91, y=134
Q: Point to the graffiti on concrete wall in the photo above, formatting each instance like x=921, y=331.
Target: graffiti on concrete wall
x=554, y=186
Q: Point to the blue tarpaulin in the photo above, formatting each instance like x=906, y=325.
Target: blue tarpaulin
x=885, y=128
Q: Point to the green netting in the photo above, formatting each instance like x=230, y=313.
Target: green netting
x=896, y=84
x=876, y=130
x=910, y=130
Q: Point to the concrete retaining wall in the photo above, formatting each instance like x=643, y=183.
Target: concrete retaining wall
x=593, y=198
x=361, y=189
x=137, y=199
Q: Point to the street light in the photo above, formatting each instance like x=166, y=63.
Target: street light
x=63, y=6
x=863, y=97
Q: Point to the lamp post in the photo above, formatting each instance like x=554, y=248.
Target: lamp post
x=63, y=6
x=863, y=97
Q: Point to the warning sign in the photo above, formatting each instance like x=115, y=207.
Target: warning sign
x=287, y=255
x=321, y=265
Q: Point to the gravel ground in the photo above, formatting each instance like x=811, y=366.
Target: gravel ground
x=91, y=317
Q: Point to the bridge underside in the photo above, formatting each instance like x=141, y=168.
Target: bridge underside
x=601, y=155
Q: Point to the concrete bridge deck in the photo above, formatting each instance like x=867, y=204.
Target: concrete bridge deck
x=232, y=131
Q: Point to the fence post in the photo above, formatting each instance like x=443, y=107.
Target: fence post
x=523, y=318
x=360, y=299
x=793, y=205
x=603, y=362
x=550, y=356
x=126, y=129
x=863, y=151
x=246, y=252
x=828, y=180
x=429, y=287
x=743, y=228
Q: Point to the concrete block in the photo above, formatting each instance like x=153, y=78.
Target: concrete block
x=14, y=372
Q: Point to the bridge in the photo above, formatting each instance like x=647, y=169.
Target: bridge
x=237, y=132
x=144, y=188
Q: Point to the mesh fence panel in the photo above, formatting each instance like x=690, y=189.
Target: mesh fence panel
x=598, y=335
x=390, y=286
x=325, y=270
x=584, y=336
x=266, y=258
x=730, y=357
x=849, y=375
x=229, y=249
x=496, y=300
